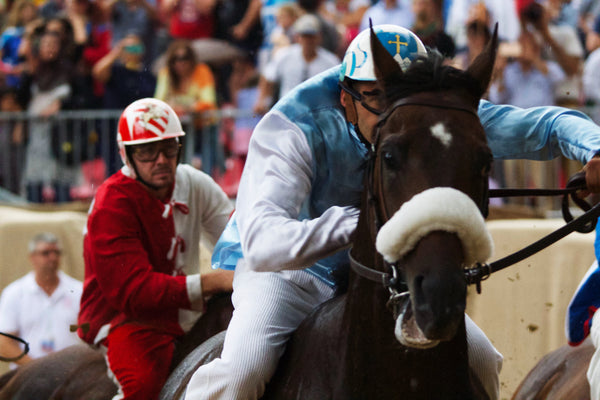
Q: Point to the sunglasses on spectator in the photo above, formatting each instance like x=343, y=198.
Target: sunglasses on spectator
x=148, y=152
x=46, y=253
x=135, y=48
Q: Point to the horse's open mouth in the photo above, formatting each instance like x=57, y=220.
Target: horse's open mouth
x=408, y=332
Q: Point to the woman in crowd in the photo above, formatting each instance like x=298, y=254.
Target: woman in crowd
x=188, y=86
x=47, y=84
x=21, y=13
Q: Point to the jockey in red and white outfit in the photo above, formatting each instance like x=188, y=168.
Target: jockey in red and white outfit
x=142, y=287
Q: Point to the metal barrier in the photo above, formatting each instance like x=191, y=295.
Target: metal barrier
x=81, y=146
x=73, y=147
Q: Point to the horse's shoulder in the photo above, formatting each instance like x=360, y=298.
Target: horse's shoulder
x=42, y=376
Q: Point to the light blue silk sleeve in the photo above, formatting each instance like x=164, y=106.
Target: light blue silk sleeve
x=539, y=133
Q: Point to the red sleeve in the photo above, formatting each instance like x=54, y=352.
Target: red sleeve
x=125, y=275
x=99, y=48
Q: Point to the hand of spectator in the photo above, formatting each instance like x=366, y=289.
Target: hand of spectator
x=205, y=6
x=260, y=108
x=499, y=67
x=52, y=109
x=541, y=23
x=239, y=31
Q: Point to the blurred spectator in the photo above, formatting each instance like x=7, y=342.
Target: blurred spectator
x=562, y=12
x=124, y=75
x=283, y=33
x=268, y=21
x=236, y=131
x=185, y=84
x=12, y=140
x=330, y=37
x=478, y=34
x=296, y=63
x=40, y=306
x=561, y=44
x=137, y=17
x=592, y=37
x=428, y=27
x=591, y=77
x=346, y=15
x=190, y=19
x=397, y=12
x=62, y=27
x=92, y=36
x=238, y=21
x=47, y=85
x=462, y=12
x=528, y=81
x=21, y=13
x=126, y=78
x=588, y=10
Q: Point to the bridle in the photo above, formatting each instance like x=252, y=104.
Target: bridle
x=481, y=271
x=392, y=280
x=18, y=339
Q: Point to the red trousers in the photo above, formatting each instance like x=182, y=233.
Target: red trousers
x=139, y=358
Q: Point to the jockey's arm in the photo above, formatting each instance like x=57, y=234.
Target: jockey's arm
x=277, y=181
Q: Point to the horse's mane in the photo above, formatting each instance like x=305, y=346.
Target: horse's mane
x=430, y=74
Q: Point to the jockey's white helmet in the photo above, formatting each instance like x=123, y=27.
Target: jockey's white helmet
x=403, y=44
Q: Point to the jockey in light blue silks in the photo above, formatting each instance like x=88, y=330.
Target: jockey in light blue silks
x=297, y=208
x=580, y=315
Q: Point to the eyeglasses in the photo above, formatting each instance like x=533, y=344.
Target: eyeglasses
x=148, y=152
x=46, y=253
x=371, y=101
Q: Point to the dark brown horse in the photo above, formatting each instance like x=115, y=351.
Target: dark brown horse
x=559, y=375
x=79, y=372
x=431, y=162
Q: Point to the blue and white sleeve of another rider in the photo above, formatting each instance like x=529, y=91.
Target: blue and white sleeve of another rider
x=275, y=184
x=539, y=133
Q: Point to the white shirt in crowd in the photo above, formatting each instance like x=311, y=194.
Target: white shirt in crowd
x=289, y=68
x=41, y=320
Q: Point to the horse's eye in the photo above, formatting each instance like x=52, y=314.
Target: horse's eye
x=390, y=159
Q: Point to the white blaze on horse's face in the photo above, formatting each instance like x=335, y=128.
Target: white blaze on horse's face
x=440, y=132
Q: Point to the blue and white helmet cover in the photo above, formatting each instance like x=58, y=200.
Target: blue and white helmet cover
x=404, y=45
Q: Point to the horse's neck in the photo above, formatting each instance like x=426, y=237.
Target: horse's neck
x=365, y=301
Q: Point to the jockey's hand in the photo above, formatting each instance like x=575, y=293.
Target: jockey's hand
x=216, y=281
x=592, y=177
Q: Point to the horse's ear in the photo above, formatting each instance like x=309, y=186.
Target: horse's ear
x=482, y=67
x=384, y=65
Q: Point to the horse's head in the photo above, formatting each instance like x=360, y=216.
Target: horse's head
x=429, y=176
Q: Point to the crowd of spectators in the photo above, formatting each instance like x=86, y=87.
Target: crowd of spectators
x=102, y=54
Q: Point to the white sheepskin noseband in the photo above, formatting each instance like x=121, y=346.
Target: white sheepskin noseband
x=437, y=209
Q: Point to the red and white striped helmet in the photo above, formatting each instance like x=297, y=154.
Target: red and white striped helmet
x=148, y=120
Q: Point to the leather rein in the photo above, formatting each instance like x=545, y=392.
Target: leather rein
x=480, y=272
x=18, y=339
